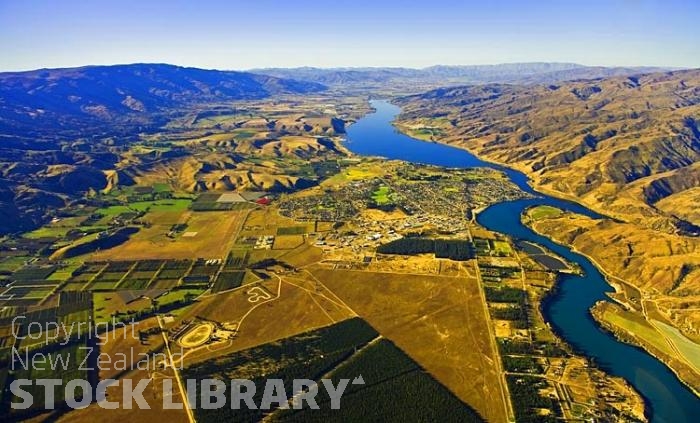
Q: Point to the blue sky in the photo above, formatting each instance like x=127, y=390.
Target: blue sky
x=261, y=33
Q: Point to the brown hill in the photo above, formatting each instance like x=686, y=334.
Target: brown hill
x=620, y=145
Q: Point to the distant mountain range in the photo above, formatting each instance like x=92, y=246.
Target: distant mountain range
x=44, y=100
x=80, y=101
x=513, y=73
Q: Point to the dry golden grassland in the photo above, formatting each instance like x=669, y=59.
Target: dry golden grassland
x=438, y=321
x=213, y=235
x=123, y=341
x=294, y=306
x=265, y=221
x=288, y=242
x=422, y=264
x=683, y=204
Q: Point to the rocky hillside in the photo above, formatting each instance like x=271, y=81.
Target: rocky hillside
x=622, y=145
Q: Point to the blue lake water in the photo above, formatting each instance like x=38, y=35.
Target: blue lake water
x=668, y=399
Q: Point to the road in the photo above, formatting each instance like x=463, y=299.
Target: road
x=176, y=372
x=505, y=396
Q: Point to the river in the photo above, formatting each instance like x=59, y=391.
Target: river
x=668, y=399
